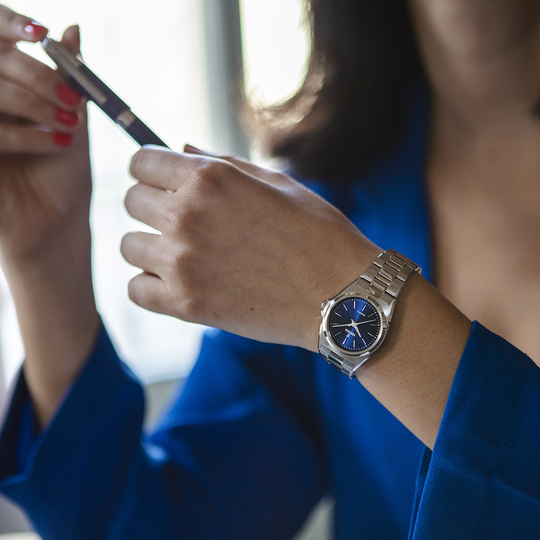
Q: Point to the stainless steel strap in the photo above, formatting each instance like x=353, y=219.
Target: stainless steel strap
x=383, y=280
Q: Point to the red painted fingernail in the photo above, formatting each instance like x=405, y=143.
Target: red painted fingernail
x=67, y=118
x=67, y=94
x=62, y=139
x=35, y=29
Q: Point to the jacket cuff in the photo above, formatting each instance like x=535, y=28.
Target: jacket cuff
x=31, y=464
x=482, y=479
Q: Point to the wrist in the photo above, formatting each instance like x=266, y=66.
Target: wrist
x=63, y=246
x=347, y=272
x=58, y=273
x=356, y=322
x=54, y=300
x=33, y=236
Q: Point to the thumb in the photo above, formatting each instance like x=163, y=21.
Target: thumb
x=72, y=39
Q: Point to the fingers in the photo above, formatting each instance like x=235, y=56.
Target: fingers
x=32, y=95
x=238, y=162
x=267, y=175
x=16, y=139
x=71, y=39
x=16, y=27
x=149, y=292
x=149, y=205
x=143, y=250
x=162, y=168
x=22, y=103
x=30, y=74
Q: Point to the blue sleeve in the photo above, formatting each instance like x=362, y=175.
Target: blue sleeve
x=237, y=456
x=27, y=434
x=482, y=480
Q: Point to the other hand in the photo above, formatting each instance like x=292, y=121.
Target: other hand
x=44, y=159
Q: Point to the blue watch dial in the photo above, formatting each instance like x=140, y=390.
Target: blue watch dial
x=354, y=324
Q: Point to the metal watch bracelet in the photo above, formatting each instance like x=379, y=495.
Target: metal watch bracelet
x=385, y=278
x=382, y=281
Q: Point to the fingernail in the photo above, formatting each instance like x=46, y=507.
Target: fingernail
x=67, y=118
x=35, y=29
x=67, y=94
x=62, y=139
x=193, y=149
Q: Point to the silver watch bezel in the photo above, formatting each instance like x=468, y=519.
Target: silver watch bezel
x=360, y=357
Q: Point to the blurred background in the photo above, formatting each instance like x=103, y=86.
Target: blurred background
x=183, y=67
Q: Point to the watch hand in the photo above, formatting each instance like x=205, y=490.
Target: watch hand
x=355, y=326
x=352, y=323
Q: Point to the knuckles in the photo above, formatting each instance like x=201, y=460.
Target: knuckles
x=187, y=270
x=185, y=219
x=183, y=262
x=211, y=178
x=206, y=176
x=204, y=192
x=192, y=305
x=176, y=258
x=192, y=308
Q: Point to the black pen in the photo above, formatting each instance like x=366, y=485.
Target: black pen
x=81, y=78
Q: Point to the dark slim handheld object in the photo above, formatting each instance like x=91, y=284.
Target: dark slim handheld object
x=85, y=82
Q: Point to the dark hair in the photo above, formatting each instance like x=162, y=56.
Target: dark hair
x=351, y=105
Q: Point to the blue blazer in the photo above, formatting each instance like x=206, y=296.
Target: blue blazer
x=261, y=432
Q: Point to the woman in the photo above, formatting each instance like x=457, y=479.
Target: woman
x=261, y=431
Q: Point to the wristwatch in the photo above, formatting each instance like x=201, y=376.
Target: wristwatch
x=355, y=322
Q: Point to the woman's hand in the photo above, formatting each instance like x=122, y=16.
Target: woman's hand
x=241, y=248
x=44, y=158
x=45, y=188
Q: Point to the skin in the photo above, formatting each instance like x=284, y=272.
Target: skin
x=272, y=274
x=44, y=232
x=484, y=112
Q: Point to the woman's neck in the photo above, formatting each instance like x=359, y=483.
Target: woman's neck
x=482, y=58
x=483, y=63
